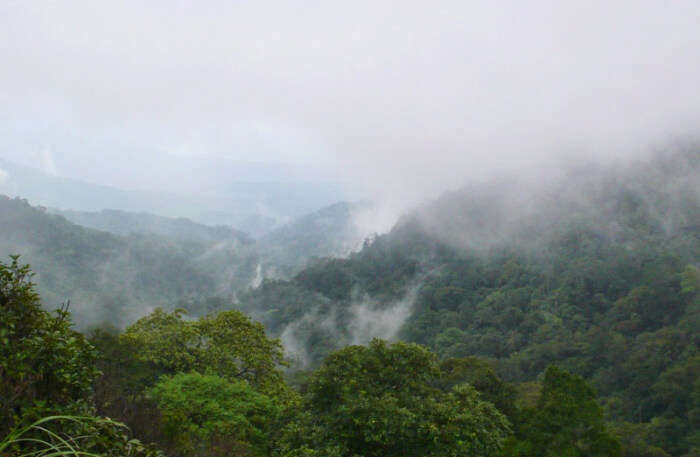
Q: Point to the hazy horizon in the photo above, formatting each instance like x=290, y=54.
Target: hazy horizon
x=391, y=101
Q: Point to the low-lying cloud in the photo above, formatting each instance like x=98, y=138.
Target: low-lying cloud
x=355, y=323
x=398, y=100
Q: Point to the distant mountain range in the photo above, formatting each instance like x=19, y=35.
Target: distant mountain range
x=115, y=265
x=253, y=207
x=128, y=223
x=114, y=279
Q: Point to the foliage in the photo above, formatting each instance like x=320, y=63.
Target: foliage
x=44, y=365
x=380, y=400
x=597, y=274
x=119, y=392
x=635, y=440
x=47, y=368
x=567, y=421
x=209, y=415
x=92, y=436
x=481, y=375
x=227, y=344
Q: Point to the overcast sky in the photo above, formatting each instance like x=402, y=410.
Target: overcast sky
x=402, y=98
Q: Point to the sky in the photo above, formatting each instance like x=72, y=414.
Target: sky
x=395, y=100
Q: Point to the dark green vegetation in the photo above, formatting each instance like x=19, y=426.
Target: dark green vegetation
x=553, y=320
x=47, y=369
x=598, y=274
x=388, y=400
x=213, y=387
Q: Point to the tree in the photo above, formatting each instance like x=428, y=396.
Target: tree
x=209, y=415
x=44, y=365
x=381, y=400
x=119, y=392
x=227, y=344
x=567, y=421
x=46, y=375
x=482, y=376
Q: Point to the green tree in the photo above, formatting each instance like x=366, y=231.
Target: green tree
x=481, y=375
x=227, y=344
x=119, y=392
x=44, y=365
x=46, y=375
x=635, y=439
x=567, y=422
x=209, y=415
x=381, y=401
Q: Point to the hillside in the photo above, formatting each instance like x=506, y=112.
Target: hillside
x=127, y=261
x=116, y=279
x=597, y=272
x=332, y=231
x=127, y=223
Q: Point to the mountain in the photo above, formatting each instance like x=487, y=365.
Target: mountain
x=118, y=278
x=115, y=266
x=603, y=215
x=126, y=223
x=253, y=207
x=332, y=231
x=596, y=271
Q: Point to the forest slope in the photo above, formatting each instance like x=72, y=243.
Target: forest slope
x=116, y=279
x=597, y=272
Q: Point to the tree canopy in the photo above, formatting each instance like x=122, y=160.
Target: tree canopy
x=44, y=365
x=380, y=400
x=227, y=344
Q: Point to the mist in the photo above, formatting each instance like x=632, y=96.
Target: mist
x=394, y=101
x=526, y=213
x=357, y=322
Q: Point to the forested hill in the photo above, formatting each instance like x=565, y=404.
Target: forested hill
x=331, y=231
x=116, y=279
x=597, y=272
x=126, y=223
x=115, y=265
x=624, y=203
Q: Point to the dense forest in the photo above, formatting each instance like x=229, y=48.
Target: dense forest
x=214, y=386
x=554, y=318
x=114, y=266
x=597, y=273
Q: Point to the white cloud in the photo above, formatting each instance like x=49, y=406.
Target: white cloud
x=371, y=321
x=401, y=100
